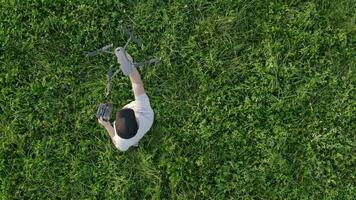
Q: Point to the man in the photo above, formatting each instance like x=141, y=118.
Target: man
x=133, y=120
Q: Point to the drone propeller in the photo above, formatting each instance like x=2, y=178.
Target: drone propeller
x=133, y=37
x=101, y=50
x=139, y=64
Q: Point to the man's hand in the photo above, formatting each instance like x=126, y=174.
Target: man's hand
x=104, y=123
x=108, y=127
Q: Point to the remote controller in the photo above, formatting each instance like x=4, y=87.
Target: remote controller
x=104, y=111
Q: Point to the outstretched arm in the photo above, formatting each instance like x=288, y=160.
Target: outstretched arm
x=136, y=82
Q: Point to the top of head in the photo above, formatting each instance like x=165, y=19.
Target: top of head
x=125, y=124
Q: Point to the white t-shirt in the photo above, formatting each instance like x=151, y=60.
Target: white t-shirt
x=144, y=116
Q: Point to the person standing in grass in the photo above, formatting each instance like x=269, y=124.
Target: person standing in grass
x=134, y=119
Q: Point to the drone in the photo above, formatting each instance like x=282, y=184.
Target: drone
x=126, y=66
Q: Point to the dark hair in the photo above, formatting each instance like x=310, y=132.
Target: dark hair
x=126, y=124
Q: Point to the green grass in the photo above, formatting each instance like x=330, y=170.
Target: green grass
x=252, y=100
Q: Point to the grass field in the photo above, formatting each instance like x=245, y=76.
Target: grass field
x=252, y=100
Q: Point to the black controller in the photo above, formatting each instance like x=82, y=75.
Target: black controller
x=104, y=111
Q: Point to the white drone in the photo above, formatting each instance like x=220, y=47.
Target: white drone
x=126, y=65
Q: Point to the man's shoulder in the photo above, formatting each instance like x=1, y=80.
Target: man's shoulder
x=142, y=98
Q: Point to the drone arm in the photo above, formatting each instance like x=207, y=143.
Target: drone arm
x=102, y=50
x=139, y=64
x=106, y=51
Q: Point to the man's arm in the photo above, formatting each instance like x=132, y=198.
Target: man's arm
x=108, y=128
x=136, y=82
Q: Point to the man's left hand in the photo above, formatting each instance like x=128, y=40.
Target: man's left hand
x=104, y=123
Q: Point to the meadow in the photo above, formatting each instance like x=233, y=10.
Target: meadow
x=253, y=99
